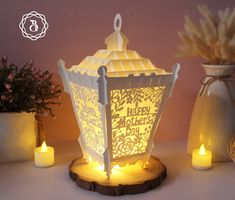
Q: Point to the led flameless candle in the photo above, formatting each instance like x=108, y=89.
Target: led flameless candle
x=44, y=156
x=201, y=158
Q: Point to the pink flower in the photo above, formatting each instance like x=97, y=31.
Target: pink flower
x=39, y=100
x=8, y=86
x=4, y=59
x=52, y=88
x=10, y=76
x=45, y=114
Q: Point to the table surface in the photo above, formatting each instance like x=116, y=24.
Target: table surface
x=22, y=181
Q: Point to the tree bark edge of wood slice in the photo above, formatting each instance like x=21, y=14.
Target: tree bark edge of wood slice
x=81, y=173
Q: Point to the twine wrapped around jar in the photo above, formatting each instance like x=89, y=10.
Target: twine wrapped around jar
x=208, y=79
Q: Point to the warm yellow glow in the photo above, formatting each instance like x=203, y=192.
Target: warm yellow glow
x=89, y=115
x=89, y=159
x=44, y=147
x=44, y=156
x=117, y=171
x=202, y=150
x=101, y=167
x=133, y=114
x=116, y=167
x=202, y=158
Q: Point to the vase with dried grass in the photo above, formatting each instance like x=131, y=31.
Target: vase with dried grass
x=213, y=39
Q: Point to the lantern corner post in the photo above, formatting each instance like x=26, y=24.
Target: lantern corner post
x=148, y=153
x=176, y=69
x=102, y=85
x=104, y=101
x=62, y=72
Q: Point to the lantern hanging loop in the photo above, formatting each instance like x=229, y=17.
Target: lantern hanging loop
x=117, y=22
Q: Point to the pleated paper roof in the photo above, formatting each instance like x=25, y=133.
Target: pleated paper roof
x=118, y=60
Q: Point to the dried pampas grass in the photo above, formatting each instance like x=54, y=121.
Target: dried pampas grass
x=212, y=39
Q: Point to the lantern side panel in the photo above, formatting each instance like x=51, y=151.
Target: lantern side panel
x=133, y=112
x=89, y=114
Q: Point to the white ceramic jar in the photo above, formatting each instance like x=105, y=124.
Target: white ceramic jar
x=18, y=136
x=213, y=117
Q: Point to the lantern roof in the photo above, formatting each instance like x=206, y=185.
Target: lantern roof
x=118, y=60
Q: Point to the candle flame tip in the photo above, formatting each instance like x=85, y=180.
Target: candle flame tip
x=202, y=149
x=44, y=147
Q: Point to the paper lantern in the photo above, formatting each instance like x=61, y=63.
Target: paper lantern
x=118, y=97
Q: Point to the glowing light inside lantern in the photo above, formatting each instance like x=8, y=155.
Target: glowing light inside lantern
x=44, y=147
x=89, y=159
x=133, y=114
x=101, y=167
x=89, y=113
x=116, y=167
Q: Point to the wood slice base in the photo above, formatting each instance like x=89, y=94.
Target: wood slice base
x=131, y=179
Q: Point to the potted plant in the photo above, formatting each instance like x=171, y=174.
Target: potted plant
x=212, y=39
x=25, y=93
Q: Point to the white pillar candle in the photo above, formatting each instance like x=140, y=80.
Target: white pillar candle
x=44, y=156
x=202, y=158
